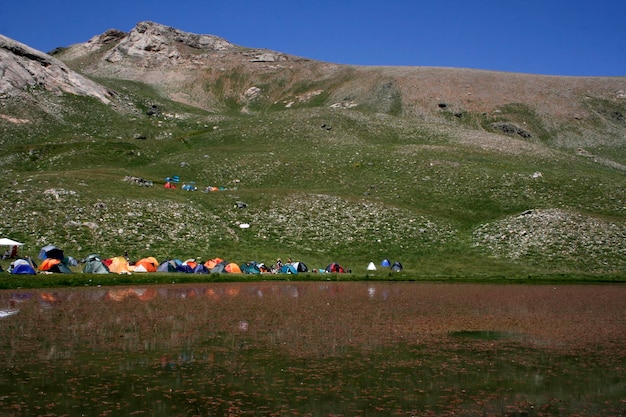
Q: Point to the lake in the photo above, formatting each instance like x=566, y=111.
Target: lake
x=315, y=349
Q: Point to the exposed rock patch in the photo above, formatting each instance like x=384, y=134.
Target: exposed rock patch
x=511, y=129
x=23, y=68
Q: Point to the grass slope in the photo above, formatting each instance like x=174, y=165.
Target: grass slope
x=320, y=184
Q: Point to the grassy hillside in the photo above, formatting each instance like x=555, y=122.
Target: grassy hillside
x=446, y=196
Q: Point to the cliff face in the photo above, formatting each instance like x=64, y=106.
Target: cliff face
x=23, y=68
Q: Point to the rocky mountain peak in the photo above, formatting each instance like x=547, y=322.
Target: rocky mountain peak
x=23, y=68
x=156, y=44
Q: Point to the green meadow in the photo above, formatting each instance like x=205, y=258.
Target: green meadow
x=320, y=185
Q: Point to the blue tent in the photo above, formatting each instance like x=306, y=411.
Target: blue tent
x=250, y=268
x=288, y=269
x=385, y=262
x=23, y=269
x=397, y=267
x=200, y=269
x=167, y=266
x=184, y=268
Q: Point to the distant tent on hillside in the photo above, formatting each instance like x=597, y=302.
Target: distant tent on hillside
x=397, y=267
x=386, y=263
x=371, y=267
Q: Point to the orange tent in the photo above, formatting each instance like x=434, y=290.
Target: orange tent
x=212, y=262
x=48, y=263
x=119, y=265
x=150, y=264
x=191, y=263
x=233, y=268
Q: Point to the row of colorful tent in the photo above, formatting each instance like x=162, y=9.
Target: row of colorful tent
x=120, y=265
x=55, y=261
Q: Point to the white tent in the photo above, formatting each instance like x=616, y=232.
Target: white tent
x=371, y=267
x=9, y=242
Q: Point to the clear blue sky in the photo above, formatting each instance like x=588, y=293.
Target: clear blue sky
x=555, y=37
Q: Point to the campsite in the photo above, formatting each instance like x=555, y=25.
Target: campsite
x=53, y=260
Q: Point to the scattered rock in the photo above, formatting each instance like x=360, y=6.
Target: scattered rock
x=153, y=110
x=138, y=181
x=511, y=129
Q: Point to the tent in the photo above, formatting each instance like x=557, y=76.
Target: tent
x=21, y=267
x=232, y=268
x=191, y=263
x=371, y=267
x=250, y=268
x=167, y=266
x=288, y=269
x=9, y=242
x=200, y=269
x=54, y=265
x=184, y=268
x=12, y=244
x=211, y=263
x=218, y=268
x=300, y=267
x=397, y=267
x=335, y=267
x=94, y=265
x=149, y=264
x=119, y=265
x=51, y=251
x=385, y=263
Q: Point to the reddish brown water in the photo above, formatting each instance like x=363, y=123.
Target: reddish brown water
x=315, y=349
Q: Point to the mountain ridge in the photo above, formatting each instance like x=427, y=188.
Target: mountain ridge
x=207, y=71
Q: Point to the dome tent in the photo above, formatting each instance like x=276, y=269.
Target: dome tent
x=94, y=265
x=397, y=267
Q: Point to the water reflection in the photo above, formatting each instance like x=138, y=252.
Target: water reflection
x=314, y=348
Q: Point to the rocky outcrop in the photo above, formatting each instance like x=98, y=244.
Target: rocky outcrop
x=153, y=44
x=23, y=68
